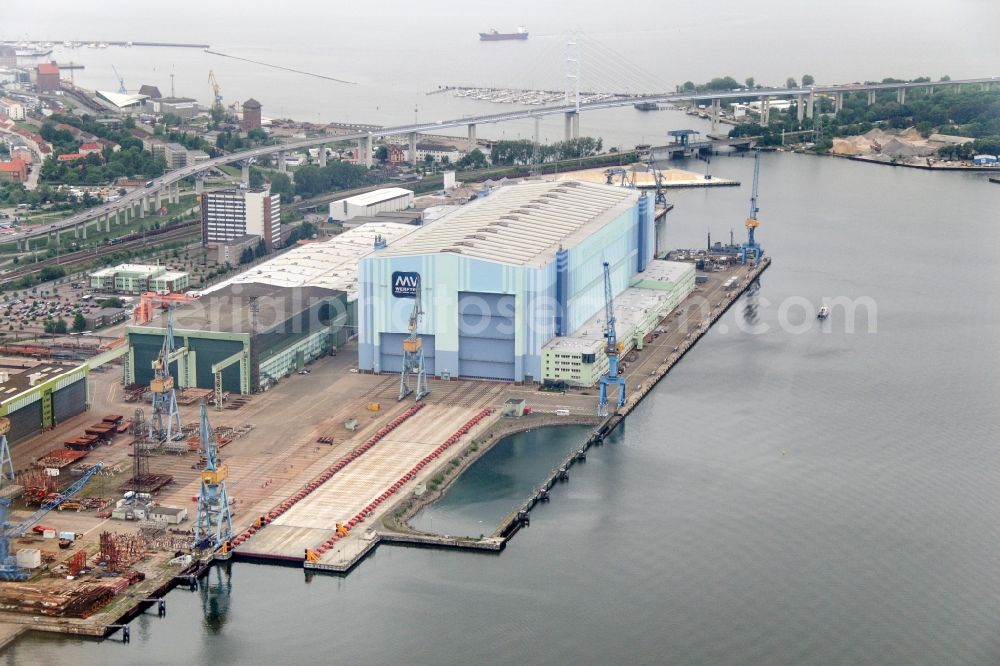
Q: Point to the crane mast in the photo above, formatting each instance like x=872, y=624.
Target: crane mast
x=751, y=251
x=121, y=81
x=413, y=356
x=165, y=420
x=216, y=91
x=213, y=528
x=612, y=349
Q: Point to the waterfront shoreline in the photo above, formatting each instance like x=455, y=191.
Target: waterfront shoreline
x=399, y=530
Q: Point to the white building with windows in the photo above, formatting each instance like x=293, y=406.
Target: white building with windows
x=229, y=214
x=11, y=108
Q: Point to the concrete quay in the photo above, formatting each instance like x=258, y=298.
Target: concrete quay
x=692, y=320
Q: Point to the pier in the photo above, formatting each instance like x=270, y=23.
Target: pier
x=82, y=42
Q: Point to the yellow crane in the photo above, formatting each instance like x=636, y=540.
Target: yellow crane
x=216, y=91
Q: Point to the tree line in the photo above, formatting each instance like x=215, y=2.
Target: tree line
x=522, y=151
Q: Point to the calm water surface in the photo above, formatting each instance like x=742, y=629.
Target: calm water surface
x=500, y=481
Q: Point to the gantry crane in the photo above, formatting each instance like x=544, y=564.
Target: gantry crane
x=413, y=355
x=165, y=420
x=6, y=464
x=612, y=349
x=143, y=313
x=121, y=81
x=622, y=176
x=751, y=248
x=213, y=528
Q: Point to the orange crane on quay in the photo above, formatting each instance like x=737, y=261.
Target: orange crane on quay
x=143, y=313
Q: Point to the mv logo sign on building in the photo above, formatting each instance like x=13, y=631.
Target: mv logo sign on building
x=405, y=284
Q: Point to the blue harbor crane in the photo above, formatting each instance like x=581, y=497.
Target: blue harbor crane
x=751, y=248
x=213, y=526
x=121, y=81
x=413, y=355
x=612, y=349
x=8, y=564
x=165, y=421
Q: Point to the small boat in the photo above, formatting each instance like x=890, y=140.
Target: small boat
x=823, y=313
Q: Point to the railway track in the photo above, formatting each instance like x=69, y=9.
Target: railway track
x=69, y=261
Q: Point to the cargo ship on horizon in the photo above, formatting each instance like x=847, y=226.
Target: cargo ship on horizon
x=495, y=36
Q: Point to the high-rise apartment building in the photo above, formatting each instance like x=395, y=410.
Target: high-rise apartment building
x=229, y=214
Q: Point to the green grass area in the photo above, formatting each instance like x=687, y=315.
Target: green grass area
x=235, y=172
x=187, y=201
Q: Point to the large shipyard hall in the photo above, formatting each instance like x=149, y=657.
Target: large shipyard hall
x=502, y=276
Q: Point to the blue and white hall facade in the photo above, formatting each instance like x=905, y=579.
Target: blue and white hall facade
x=502, y=276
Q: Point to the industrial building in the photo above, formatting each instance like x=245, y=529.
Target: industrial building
x=369, y=204
x=104, y=317
x=229, y=214
x=41, y=397
x=251, y=115
x=232, y=250
x=183, y=107
x=138, y=278
x=579, y=359
x=253, y=334
x=502, y=276
x=306, y=302
x=47, y=77
x=121, y=102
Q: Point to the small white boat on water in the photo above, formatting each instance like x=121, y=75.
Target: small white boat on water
x=823, y=313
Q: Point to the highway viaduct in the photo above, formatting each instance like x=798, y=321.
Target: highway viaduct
x=137, y=204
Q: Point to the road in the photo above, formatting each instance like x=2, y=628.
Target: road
x=136, y=196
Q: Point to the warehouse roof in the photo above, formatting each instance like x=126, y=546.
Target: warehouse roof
x=167, y=511
x=331, y=264
x=121, y=100
x=15, y=385
x=140, y=269
x=632, y=307
x=228, y=309
x=661, y=274
x=377, y=196
x=522, y=224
